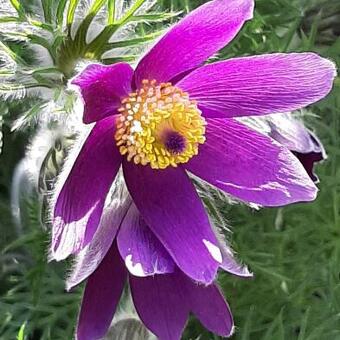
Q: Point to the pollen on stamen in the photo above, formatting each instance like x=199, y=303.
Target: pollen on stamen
x=159, y=126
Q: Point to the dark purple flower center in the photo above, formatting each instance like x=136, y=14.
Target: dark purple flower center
x=174, y=142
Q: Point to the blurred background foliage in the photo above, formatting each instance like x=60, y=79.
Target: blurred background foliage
x=293, y=251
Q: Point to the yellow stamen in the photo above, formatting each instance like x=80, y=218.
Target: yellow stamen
x=159, y=125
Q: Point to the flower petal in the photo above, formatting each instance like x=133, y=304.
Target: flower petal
x=102, y=294
x=260, y=85
x=92, y=255
x=229, y=262
x=144, y=255
x=195, y=38
x=80, y=202
x=250, y=166
x=161, y=304
x=210, y=307
x=169, y=204
x=291, y=133
x=102, y=88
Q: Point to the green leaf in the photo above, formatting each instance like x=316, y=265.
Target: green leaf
x=6, y=72
x=21, y=334
x=111, y=6
x=12, y=55
x=130, y=12
x=96, y=6
x=19, y=8
x=47, y=8
x=80, y=38
x=34, y=39
x=70, y=13
x=126, y=58
x=60, y=11
x=132, y=42
x=314, y=30
x=40, y=24
x=5, y=19
x=22, y=122
x=19, y=89
x=303, y=326
x=153, y=17
x=39, y=40
x=42, y=70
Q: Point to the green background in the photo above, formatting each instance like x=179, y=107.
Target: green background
x=294, y=251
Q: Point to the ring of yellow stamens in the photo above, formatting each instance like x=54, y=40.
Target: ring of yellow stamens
x=159, y=125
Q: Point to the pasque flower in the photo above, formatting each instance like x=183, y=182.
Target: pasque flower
x=162, y=294
x=172, y=116
x=297, y=138
x=291, y=132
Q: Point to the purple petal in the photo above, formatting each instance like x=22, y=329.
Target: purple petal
x=102, y=294
x=80, y=202
x=260, y=85
x=102, y=88
x=195, y=38
x=169, y=204
x=229, y=262
x=250, y=166
x=210, y=307
x=305, y=145
x=291, y=133
x=161, y=304
x=143, y=253
x=92, y=255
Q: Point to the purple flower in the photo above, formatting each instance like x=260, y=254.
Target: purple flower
x=163, y=299
x=172, y=116
x=291, y=133
x=302, y=142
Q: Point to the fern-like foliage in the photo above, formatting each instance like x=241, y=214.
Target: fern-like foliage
x=43, y=42
x=34, y=305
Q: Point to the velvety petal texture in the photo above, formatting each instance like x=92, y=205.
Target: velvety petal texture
x=194, y=39
x=163, y=302
x=291, y=133
x=102, y=294
x=169, y=204
x=260, y=84
x=142, y=252
x=250, y=166
x=92, y=255
x=80, y=202
x=102, y=88
x=208, y=304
